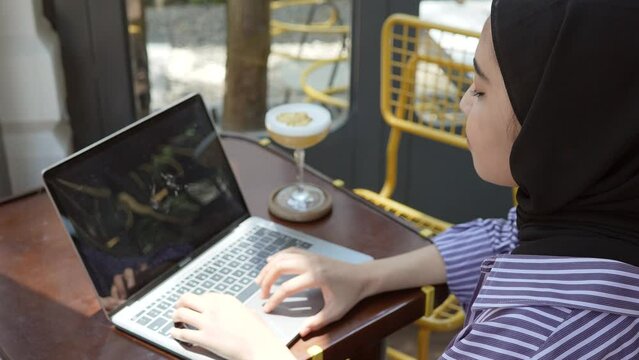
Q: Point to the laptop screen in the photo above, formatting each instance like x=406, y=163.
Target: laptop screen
x=144, y=199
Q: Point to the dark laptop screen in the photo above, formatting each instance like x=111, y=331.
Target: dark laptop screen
x=143, y=200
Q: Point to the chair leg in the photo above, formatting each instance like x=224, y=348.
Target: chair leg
x=423, y=343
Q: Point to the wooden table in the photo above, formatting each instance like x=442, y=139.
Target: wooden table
x=48, y=308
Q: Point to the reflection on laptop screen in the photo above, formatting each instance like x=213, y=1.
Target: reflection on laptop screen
x=142, y=201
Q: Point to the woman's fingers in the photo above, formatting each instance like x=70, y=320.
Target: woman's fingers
x=319, y=320
x=276, y=258
x=111, y=302
x=275, y=269
x=114, y=292
x=190, y=336
x=191, y=301
x=129, y=278
x=188, y=316
x=291, y=287
x=120, y=288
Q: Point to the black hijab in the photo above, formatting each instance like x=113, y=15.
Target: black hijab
x=571, y=69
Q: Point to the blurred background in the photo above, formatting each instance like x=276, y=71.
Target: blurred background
x=74, y=71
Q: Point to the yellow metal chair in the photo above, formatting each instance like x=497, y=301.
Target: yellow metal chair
x=425, y=70
x=328, y=96
x=329, y=26
x=332, y=96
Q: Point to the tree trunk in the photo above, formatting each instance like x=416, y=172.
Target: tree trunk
x=248, y=46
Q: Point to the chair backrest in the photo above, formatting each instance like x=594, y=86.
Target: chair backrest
x=425, y=69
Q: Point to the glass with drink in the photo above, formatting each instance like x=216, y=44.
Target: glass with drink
x=298, y=127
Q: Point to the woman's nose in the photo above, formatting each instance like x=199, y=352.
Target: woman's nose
x=465, y=102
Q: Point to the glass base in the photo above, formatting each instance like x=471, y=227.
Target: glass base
x=309, y=204
x=301, y=197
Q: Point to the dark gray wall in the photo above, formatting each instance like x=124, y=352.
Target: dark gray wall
x=95, y=58
x=5, y=184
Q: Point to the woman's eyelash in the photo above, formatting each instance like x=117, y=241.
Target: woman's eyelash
x=477, y=93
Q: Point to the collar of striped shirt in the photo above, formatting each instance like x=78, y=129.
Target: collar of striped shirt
x=576, y=283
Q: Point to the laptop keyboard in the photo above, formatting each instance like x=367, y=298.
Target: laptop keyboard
x=230, y=272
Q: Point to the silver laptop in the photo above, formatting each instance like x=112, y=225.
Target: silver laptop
x=154, y=211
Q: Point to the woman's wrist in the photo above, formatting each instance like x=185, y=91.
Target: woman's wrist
x=424, y=266
x=370, y=278
x=266, y=348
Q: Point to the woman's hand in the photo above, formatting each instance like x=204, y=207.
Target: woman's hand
x=120, y=289
x=342, y=284
x=223, y=325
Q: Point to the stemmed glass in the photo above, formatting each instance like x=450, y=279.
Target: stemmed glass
x=298, y=127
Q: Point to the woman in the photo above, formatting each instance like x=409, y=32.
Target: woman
x=552, y=110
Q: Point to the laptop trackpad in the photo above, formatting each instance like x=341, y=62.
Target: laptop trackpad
x=288, y=317
x=303, y=304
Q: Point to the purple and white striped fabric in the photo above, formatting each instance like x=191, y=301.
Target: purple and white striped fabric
x=537, y=307
x=464, y=246
x=552, y=308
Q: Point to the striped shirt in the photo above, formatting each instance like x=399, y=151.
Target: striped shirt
x=537, y=307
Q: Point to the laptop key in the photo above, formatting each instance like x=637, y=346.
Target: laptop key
x=163, y=305
x=198, y=291
x=138, y=315
x=245, y=281
x=236, y=288
x=271, y=248
x=220, y=287
x=169, y=313
x=167, y=328
x=154, y=313
x=216, y=277
x=157, y=324
x=229, y=280
x=225, y=271
x=173, y=297
x=246, y=293
x=201, y=276
x=182, y=290
x=242, y=258
x=238, y=273
x=143, y=320
x=253, y=274
x=209, y=270
x=191, y=284
x=207, y=284
x=246, y=267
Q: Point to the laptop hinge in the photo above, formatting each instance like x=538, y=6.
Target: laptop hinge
x=184, y=262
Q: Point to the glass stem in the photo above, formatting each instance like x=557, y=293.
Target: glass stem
x=298, y=155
